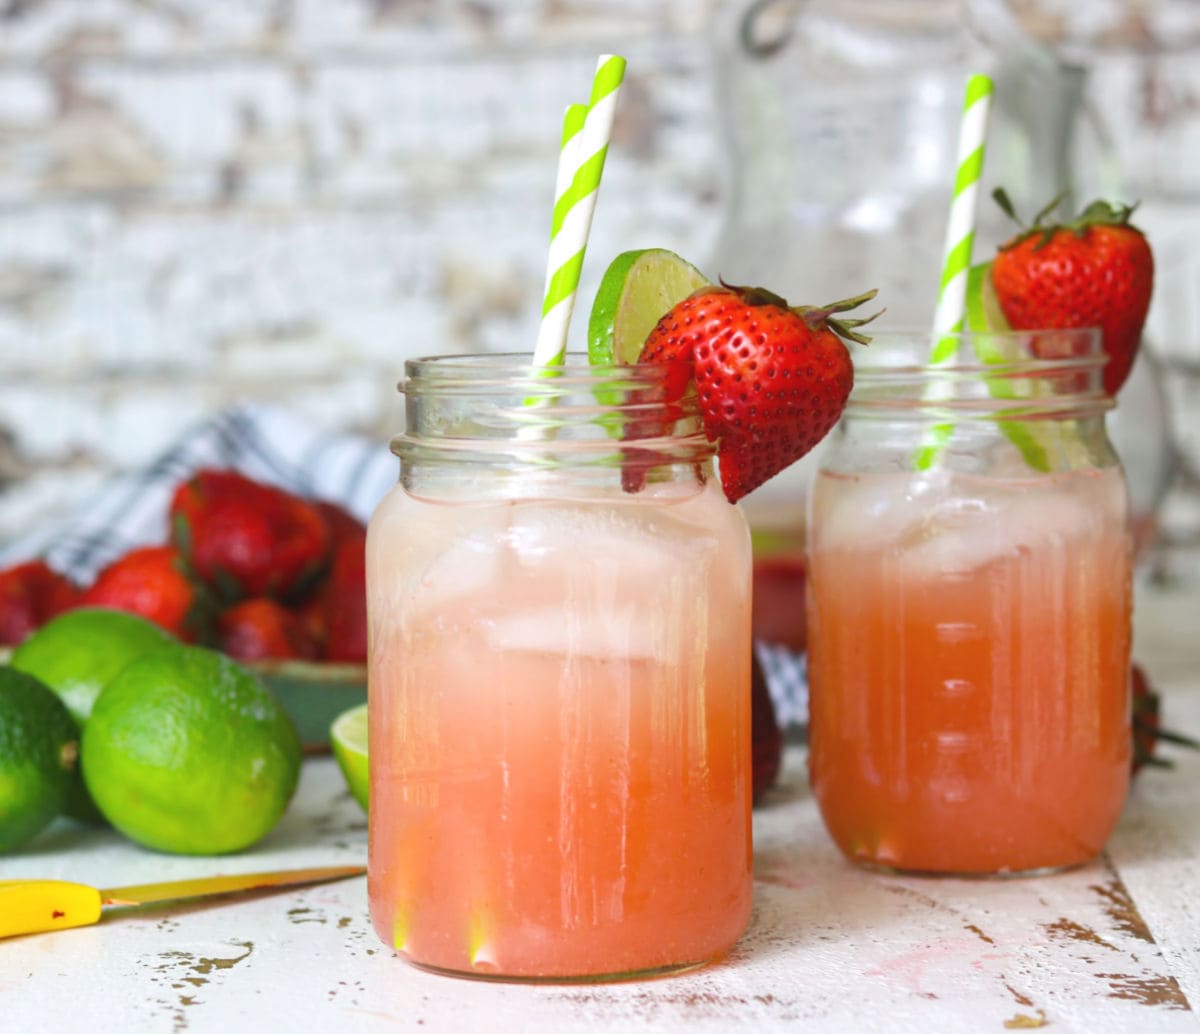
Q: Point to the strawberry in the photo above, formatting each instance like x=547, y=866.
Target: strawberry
x=245, y=538
x=766, y=739
x=1094, y=271
x=30, y=594
x=772, y=380
x=334, y=613
x=152, y=581
x=260, y=628
x=345, y=594
x=1147, y=724
x=778, y=614
x=341, y=522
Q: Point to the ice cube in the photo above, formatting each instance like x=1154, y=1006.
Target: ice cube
x=624, y=538
x=619, y=633
x=979, y=521
x=872, y=511
x=439, y=556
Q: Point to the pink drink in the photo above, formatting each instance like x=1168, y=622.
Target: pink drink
x=969, y=608
x=559, y=730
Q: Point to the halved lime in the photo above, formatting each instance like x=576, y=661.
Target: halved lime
x=638, y=289
x=348, y=737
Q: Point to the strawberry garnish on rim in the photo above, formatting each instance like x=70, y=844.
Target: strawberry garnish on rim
x=772, y=379
x=1095, y=270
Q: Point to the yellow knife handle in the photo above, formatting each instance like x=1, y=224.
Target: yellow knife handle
x=32, y=906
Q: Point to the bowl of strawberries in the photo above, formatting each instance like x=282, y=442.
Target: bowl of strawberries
x=267, y=576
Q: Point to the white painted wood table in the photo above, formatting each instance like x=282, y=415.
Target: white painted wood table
x=1112, y=947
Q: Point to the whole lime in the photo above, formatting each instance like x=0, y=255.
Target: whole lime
x=76, y=654
x=39, y=748
x=188, y=752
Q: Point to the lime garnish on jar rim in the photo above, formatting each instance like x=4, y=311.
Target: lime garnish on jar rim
x=638, y=289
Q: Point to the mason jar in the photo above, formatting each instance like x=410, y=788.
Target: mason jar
x=969, y=608
x=559, y=678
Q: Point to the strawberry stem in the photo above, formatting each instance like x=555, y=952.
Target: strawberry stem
x=755, y=295
x=1000, y=196
x=1178, y=738
x=1098, y=213
x=822, y=316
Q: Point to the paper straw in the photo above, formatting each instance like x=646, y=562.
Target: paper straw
x=581, y=163
x=960, y=228
x=573, y=119
x=950, y=314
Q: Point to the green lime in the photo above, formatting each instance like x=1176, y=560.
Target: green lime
x=983, y=307
x=76, y=654
x=985, y=319
x=188, y=752
x=39, y=746
x=348, y=736
x=638, y=289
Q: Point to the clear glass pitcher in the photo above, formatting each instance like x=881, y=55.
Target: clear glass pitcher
x=841, y=118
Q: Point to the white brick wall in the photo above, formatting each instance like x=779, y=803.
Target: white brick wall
x=286, y=198
x=201, y=199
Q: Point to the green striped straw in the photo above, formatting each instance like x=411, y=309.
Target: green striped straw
x=586, y=132
x=950, y=314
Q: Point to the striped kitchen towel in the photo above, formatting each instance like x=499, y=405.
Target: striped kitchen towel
x=264, y=442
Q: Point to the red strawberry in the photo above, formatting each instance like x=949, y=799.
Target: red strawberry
x=310, y=611
x=345, y=594
x=1094, y=271
x=778, y=600
x=245, y=538
x=772, y=380
x=31, y=594
x=342, y=523
x=334, y=613
x=260, y=628
x=152, y=582
x=1147, y=724
x=766, y=740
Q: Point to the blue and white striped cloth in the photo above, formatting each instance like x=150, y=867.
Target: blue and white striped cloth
x=276, y=446
x=263, y=442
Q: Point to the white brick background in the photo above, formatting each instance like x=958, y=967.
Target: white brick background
x=207, y=199
x=202, y=199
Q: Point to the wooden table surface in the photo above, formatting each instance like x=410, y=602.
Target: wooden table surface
x=1114, y=946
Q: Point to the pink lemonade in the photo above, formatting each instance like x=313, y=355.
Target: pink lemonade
x=969, y=656
x=559, y=731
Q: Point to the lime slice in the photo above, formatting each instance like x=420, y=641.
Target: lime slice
x=348, y=737
x=985, y=318
x=638, y=289
x=983, y=307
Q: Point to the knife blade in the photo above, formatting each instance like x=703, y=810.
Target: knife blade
x=35, y=906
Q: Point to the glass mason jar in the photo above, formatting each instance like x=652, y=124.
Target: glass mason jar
x=559, y=678
x=969, y=609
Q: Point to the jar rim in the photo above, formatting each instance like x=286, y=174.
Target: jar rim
x=1049, y=373
x=483, y=370
x=467, y=407
x=910, y=351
